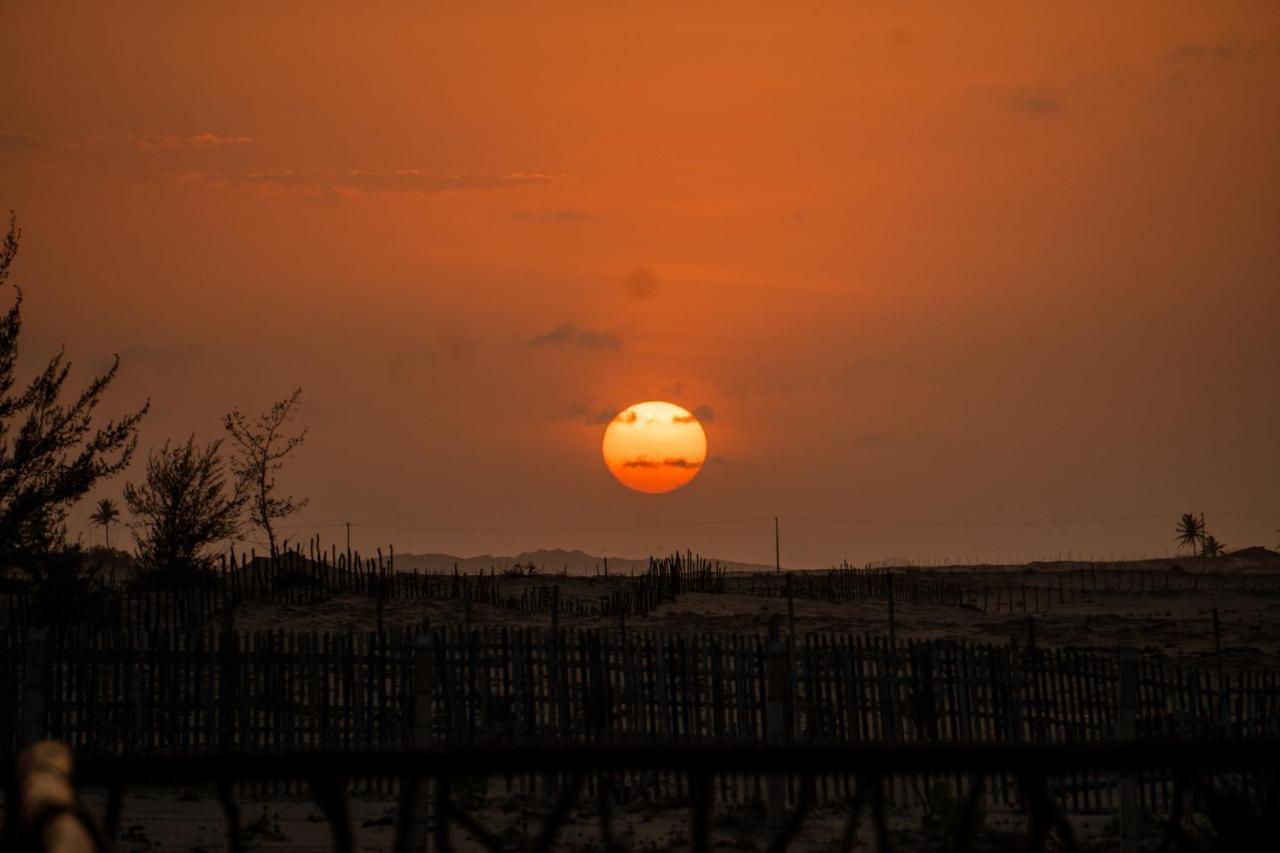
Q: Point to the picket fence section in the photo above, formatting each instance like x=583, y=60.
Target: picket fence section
x=295, y=577
x=107, y=693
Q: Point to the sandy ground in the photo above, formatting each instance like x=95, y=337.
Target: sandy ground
x=1174, y=623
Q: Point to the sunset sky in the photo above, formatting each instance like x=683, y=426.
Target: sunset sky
x=917, y=262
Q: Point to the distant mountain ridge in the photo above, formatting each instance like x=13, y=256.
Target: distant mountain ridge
x=577, y=562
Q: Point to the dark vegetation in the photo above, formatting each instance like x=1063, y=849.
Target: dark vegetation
x=54, y=450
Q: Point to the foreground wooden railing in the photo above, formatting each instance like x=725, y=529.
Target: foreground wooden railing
x=47, y=816
x=44, y=815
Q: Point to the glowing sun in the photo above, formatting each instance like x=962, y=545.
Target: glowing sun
x=654, y=447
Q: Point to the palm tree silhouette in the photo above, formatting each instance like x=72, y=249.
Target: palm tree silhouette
x=1211, y=547
x=106, y=514
x=1190, y=530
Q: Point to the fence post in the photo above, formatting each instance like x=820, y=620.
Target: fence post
x=423, y=683
x=779, y=677
x=1126, y=730
x=34, y=682
x=888, y=591
x=555, y=610
x=227, y=681
x=1224, y=708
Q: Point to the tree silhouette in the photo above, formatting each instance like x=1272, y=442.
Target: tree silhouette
x=51, y=454
x=1211, y=547
x=104, y=515
x=1190, y=531
x=183, y=506
x=262, y=445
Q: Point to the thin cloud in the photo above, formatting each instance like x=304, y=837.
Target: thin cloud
x=357, y=183
x=413, y=181
x=595, y=416
x=154, y=142
x=874, y=438
x=701, y=413
x=15, y=146
x=640, y=283
x=1219, y=52
x=563, y=216
x=1037, y=103
x=569, y=334
x=670, y=462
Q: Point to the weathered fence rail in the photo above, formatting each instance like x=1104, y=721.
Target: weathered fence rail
x=1211, y=808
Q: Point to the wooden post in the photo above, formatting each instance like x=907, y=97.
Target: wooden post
x=893, y=628
x=1224, y=709
x=423, y=682
x=1126, y=730
x=791, y=613
x=34, y=696
x=777, y=548
x=555, y=610
x=779, y=679
x=228, y=678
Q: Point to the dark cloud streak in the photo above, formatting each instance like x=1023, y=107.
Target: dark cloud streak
x=1037, y=103
x=569, y=334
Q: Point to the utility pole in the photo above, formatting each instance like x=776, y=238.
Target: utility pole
x=777, y=548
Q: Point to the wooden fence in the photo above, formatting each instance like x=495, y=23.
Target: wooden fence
x=298, y=578
x=137, y=694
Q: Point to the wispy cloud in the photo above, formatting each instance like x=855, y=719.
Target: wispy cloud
x=701, y=413
x=593, y=415
x=569, y=334
x=413, y=181
x=353, y=184
x=1218, y=52
x=670, y=462
x=154, y=142
x=640, y=283
x=563, y=216
x=1035, y=102
x=15, y=146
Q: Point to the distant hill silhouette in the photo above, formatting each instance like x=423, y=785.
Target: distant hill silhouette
x=1257, y=554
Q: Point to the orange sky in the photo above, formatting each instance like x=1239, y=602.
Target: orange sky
x=943, y=261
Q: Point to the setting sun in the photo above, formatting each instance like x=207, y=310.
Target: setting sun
x=654, y=447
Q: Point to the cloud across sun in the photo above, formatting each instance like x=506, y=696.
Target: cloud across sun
x=654, y=447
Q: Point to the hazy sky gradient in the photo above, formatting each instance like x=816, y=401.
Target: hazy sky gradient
x=929, y=262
